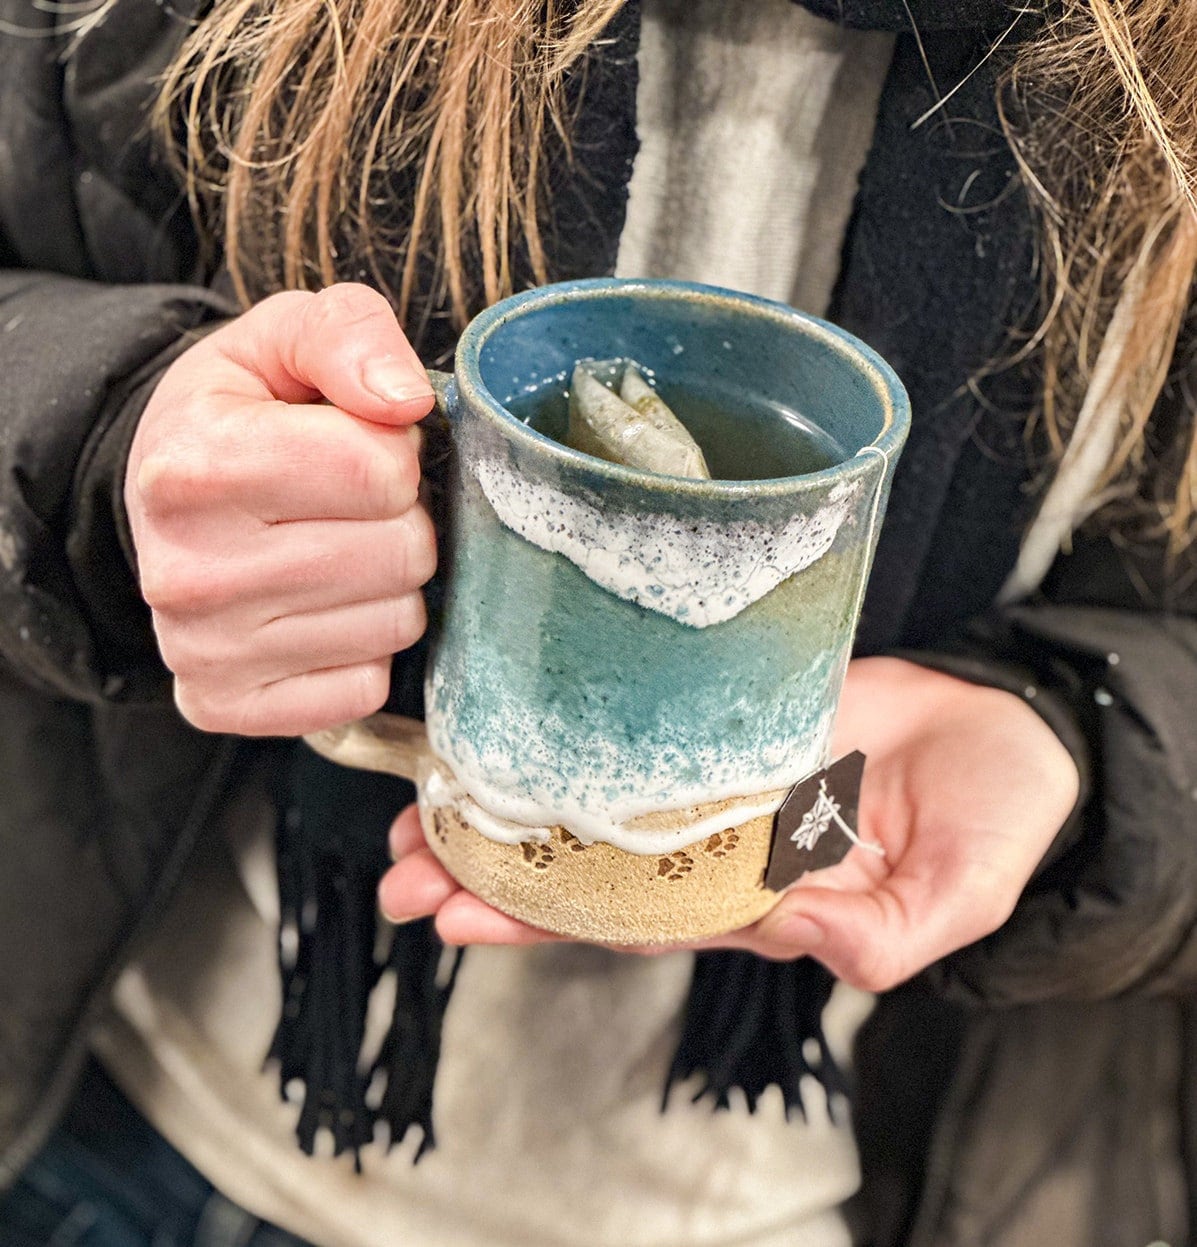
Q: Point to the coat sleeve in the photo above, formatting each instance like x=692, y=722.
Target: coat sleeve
x=1110, y=660
x=94, y=250
x=79, y=360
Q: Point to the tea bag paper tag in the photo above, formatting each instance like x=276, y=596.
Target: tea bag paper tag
x=816, y=825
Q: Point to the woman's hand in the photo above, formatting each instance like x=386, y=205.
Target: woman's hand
x=965, y=788
x=272, y=494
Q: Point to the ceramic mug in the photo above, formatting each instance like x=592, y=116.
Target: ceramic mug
x=631, y=670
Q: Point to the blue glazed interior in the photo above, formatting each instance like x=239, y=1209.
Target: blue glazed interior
x=717, y=342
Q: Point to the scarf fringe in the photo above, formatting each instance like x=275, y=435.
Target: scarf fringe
x=751, y=1023
x=331, y=964
x=410, y=1053
x=326, y=947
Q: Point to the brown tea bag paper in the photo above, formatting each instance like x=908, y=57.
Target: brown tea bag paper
x=633, y=427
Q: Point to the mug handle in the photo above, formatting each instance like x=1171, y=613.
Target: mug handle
x=390, y=743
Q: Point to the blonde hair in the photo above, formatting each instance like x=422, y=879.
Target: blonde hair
x=400, y=142
x=405, y=136
x=1101, y=112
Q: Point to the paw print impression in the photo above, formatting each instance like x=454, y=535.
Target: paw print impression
x=675, y=866
x=721, y=843
x=538, y=856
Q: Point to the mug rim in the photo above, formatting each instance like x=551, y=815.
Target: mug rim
x=881, y=377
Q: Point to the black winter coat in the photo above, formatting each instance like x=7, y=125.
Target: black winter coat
x=1037, y=1088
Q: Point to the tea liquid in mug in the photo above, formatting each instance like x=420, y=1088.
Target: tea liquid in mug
x=743, y=437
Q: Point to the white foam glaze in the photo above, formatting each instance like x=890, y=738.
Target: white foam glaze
x=437, y=791
x=594, y=800
x=697, y=572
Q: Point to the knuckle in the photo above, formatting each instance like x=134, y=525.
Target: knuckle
x=173, y=648
x=346, y=305
x=283, y=301
x=169, y=482
x=152, y=580
x=379, y=480
x=266, y=315
x=874, y=980
x=182, y=587
x=415, y=551
x=366, y=689
x=201, y=708
x=422, y=552
x=408, y=622
x=877, y=981
x=407, y=464
x=246, y=714
x=247, y=719
x=194, y=654
x=175, y=587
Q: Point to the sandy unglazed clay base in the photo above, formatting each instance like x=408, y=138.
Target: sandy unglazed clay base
x=590, y=892
x=601, y=893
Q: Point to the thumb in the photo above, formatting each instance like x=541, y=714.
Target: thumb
x=343, y=343
x=877, y=939
x=856, y=935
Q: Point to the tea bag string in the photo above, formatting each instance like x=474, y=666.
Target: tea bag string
x=874, y=515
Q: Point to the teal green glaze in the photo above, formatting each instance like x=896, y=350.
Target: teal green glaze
x=670, y=698
x=582, y=685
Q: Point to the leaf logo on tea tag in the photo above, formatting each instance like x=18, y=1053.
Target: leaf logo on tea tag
x=817, y=819
x=816, y=825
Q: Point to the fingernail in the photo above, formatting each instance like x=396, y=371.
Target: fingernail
x=397, y=920
x=395, y=380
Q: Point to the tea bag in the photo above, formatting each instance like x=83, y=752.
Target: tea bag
x=633, y=427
